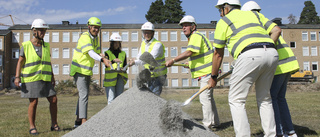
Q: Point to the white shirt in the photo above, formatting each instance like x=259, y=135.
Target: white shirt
x=157, y=51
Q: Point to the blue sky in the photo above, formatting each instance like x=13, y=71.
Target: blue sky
x=129, y=11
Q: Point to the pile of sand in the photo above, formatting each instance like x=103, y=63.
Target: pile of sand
x=140, y=113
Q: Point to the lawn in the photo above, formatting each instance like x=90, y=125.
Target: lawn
x=304, y=107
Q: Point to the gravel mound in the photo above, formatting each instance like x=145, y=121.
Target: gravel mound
x=140, y=113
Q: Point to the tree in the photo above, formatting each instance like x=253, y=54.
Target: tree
x=292, y=19
x=155, y=13
x=309, y=14
x=173, y=11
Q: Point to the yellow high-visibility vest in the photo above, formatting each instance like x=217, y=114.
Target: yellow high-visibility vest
x=287, y=61
x=36, y=68
x=110, y=77
x=158, y=71
x=200, y=62
x=81, y=61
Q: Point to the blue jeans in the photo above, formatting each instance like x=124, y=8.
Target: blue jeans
x=280, y=106
x=114, y=91
x=155, y=84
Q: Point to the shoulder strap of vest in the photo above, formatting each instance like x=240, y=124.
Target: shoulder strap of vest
x=205, y=40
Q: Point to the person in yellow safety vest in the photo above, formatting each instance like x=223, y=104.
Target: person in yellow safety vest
x=34, y=73
x=250, y=39
x=199, y=52
x=84, y=56
x=287, y=65
x=114, y=81
x=157, y=50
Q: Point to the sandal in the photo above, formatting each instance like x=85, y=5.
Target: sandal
x=56, y=128
x=36, y=133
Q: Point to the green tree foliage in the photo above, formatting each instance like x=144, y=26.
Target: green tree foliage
x=155, y=13
x=309, y=14
x=170, y=12
x=173, y=12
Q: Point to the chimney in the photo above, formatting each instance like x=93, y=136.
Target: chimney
x=277, y=21
x=66, y=23
x=213, y=22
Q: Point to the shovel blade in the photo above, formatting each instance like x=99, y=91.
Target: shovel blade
x=148, y=58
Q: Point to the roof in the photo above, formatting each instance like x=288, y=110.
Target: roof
x=4, y=32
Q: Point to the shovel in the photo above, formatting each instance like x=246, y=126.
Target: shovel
x=148, y=58
x=204, y=88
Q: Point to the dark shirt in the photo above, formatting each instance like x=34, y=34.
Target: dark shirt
x=116, y=53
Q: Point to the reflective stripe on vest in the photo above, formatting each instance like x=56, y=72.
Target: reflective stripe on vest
x=201, y=64
x=287, y=61
x=158, y=71
x=36, y=68
x=110, y=77
x=81, y=61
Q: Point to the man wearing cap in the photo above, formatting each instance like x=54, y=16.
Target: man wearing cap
x=199, y=52
x=250, y=39
x=85, y=54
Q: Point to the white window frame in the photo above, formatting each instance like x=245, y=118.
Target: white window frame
x=15, y=37
x=226, y=52
x=225, y=66
x=66, y=69
x=126, y=50
x=173, y=81
x=134, y=36
x=194, y=83
x=211, y=35
x=183, y=49
x=226, y=82
x=134, y=52
x=156, y=35
x=313, y=33
x=305, y=51
x=105, y=36
x=15, y=53
x=65, y=36
x=55, y=51
x=26, y=36
x=65, y=52
x=183, y=37
x=95, y=69
x=1, y=43
x=174, y=69
x=166, y=53
x=46, y=37
x=55, y=69
x=1, y=60
x=164, y=35
x=134, y=69
x=1, y=78
x=204, y=33
x=304, y=35
x=123, y=34
x=75, y=36
x=314, y=51
x=314, y=63
x=306, y=65
x=55, y=37
x=185, y=82
x=173, y=36
x=173, y=50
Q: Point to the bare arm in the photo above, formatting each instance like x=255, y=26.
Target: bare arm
x=275, y=33
x=20, y=63
x=216, y=63
x=182, y=56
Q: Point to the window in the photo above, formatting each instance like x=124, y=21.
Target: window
x=194, y=83
x=127, y=84
x=211, y=35
x=174, y=83
x=72, y=51
x=314, y=66
x=55, y=36
x=185, y=82
x=1, y=45
x=55, y=69
x=204, y=33
x=314, y=51
x=134, y=69
x=0, y=78
x=305, y=51
x=65, y=53
x=225, y=67
x=183, y=49
x=134, y=52
x=226, y=52
x=183, y=37
x=15, y=37
x=134, y=36
x=174, y=69
x=226, y=82
x=133, y=82
x=304, y=35
x=173, y=36
x=313, y=36
x=105, y=36
x=126, y=50
x=125, y=36
x=164, y=35
x=65, y=36
x=26, y=36
x=184, y=70
x=75, y=36
x=174, y=51
x=15, y=53
x=166, y=52
x=95, y=69
x=306, y=66
x=66, y=69
x=104, y=50
x=293, y=44
x=0, y=60
x=46, y=37
x=156, y=35
x=55, y=53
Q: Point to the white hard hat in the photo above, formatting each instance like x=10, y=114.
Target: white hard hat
x=39, y=23
x=250, y=5
x=147, y=26
x=115, y=37
x=188, y=19
x=230, y=2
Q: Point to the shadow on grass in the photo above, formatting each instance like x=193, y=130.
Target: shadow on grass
x=301, y=131
x=223, y=126
x=190, y=124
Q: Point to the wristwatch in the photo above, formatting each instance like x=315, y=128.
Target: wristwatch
x=214, y=76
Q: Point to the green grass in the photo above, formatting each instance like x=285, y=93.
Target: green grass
x=304, y=107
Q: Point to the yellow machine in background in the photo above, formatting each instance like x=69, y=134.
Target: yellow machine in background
x=302, y=76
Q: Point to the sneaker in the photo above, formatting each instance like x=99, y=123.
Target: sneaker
x=292, y=135
x=76, y=124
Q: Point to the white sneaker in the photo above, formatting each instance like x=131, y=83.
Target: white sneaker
x=293, y=135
